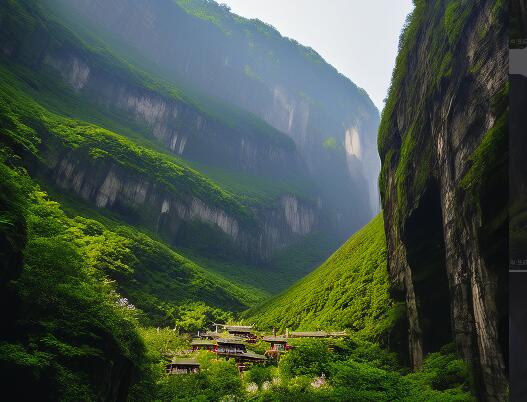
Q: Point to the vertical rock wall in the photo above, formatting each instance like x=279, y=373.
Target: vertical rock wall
x=444, y=184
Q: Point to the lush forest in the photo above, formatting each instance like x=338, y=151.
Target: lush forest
x=152, y=186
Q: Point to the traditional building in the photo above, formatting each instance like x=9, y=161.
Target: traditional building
x=202, y=344
x=229, y=346
x=243, y=331
x=278, y=345
x=277, y=342
x=235, y=349
x=183, y=366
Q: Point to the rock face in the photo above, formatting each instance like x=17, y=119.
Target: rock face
x=179, y=126
x=175, y=213
x=443, y=184
x=200, y=45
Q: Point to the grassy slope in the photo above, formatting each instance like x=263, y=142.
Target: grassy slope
x=348, y=291
x=272, y=278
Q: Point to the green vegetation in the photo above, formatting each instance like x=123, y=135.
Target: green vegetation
x=315, y=370
x=454, y=19
x=82, y=293
x=491, y=154
x=350, y=290
x=70, y=325
x=345, y=369
x=76, y=267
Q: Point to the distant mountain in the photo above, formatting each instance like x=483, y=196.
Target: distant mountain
x=202, y=47
x=203, y=173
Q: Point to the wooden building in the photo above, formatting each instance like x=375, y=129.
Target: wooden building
x=183, y=366
x=278, y=343
x=243, y=331
x=250, y=357
x=202, y=344
x=229, y=346
x=235, y=349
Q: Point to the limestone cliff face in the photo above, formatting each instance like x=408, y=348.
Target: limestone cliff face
x=443, y=183
x=200, y=45
x=179, y=126
x=173, y=212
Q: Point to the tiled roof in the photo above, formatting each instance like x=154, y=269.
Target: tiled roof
x=231, y=341
x=312, y=334
x=274, y=339
x=185, y=362
x=201, y=342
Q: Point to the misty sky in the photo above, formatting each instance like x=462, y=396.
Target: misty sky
x=358, y=37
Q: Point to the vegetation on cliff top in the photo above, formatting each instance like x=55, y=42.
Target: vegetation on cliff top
x=26, y=123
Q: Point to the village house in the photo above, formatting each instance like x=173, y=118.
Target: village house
x=183, y=366
x=235, y=348
x=202, y=344
x=229, y=346
x=278, y=343
x=244, y=331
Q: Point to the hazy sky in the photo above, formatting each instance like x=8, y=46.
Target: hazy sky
x=359, y=38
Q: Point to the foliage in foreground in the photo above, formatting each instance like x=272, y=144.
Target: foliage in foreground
x=315, y=370
x=71, y=334
x=66, y=329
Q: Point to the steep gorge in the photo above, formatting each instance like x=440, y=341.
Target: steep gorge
x=166, y=195
x=200, y=45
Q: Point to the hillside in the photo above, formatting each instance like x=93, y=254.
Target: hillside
x=224, y=60
x=350, y=291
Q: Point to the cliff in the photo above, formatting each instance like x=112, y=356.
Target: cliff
x=443, y=182
x=202, y=47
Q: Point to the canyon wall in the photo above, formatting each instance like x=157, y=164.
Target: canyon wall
x=443, y=147
x=174, y=210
